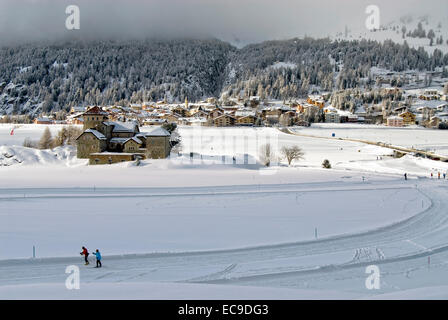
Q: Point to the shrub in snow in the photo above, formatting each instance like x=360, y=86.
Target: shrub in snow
x=443, y=126
x=266, y=154
x=28, y=143
x=326, y=164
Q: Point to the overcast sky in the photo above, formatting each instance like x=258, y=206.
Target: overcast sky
x=245, y=21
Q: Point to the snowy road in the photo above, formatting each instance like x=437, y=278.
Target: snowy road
x=324, y=264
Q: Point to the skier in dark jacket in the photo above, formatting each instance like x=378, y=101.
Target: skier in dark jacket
x=85, y=253
x=98, y=258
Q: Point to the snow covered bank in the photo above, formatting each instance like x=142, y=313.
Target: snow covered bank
x=161, y=291
x=424, y=293
x=16, y=155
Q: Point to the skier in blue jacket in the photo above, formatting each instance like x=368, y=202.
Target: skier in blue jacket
x=98, y=258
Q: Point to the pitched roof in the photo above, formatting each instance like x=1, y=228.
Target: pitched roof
x=96, y=133
x=96, y=111
x=224, y=115
x=125, y=140
x=122, y=126
x=119, y=140
x=157, y=132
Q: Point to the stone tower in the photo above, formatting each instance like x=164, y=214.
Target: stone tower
x=93, y=118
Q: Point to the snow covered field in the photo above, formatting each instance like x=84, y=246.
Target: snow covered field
x=186, y=227
x=141, y=220
x=417, y=137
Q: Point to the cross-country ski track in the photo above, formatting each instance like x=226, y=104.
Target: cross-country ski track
x=321, y=264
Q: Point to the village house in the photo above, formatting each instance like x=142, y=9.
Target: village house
x=200, y=114
x=193, y=121
x=154, y=121
x=287, y=118
x=254, y=101
x=248, y=120
x=109, y=142
x=43, y=120
x=216, y=112
x=77, y=109
x=75, y=119
x=332, y=117
x=395, y=121
x=136, y=107
x=224, y=120
x=429, y=95
x=245, y=117
x=408, y=118
x=316, y=100
x=180, y=111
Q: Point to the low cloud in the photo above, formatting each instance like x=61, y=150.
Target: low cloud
x=237, y=21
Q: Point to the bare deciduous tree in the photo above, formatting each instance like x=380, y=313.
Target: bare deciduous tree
x=67, y=136
x=292, y=153
x=28, y=143
x=46, y=141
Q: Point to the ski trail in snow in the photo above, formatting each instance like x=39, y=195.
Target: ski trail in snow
x=104, y=275
x=417, y=245
x=215, y=275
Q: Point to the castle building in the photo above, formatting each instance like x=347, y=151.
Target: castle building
x=106, y=141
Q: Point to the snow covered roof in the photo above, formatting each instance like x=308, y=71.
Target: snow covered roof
x=224, y=115
x=330, y=108
x=244, y=113
x=78, y=109
x=196, y=120
x=394, y=118
x=96, y=110
x=122, y=126
x=136, y=140
x=44, y=119
x=155, y=120
x=360, y=109
x=119, y=140
x=96, y=133
x=124, y=140
x=157, y=132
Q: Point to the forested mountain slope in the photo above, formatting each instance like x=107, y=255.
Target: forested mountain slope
x=37, y=78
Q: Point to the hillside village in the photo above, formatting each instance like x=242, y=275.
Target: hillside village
x=427, y=107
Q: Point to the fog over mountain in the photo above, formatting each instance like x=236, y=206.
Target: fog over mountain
x=237, y=21
x=134, y=51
